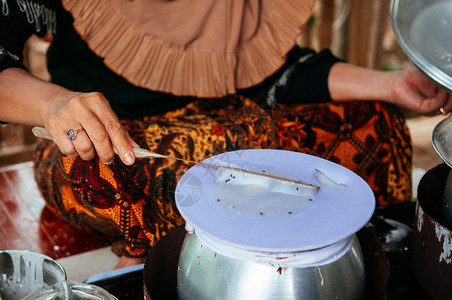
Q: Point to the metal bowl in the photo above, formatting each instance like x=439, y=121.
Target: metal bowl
x=423, y=29
x=206, y=274
x=71, y=290
x=23, y=272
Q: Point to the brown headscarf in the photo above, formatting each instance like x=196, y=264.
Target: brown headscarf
x=203, y=48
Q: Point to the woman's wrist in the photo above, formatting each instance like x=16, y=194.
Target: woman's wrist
x=348, y=82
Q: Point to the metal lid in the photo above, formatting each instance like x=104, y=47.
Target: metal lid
x=292, y=220
x=423, y=30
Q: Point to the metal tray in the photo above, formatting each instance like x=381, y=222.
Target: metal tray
x=424, y=31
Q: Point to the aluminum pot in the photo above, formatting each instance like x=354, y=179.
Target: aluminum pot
x=253, y=238
x=23, y=272
x=205, y=274
x=431, y=255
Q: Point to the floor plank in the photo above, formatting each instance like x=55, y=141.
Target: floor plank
x=26, y=222
x=10, y=237
x=23, y=224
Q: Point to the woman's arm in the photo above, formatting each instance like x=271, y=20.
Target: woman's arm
x=409, y=89
x=28, y=100
x=22, y=97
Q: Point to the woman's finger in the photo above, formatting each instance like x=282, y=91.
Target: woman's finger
x=62, y=139
x=116, y=133
x=447, y=107
x=439, y=104
x=82, y=144
x=120, y=141
x=99, y=139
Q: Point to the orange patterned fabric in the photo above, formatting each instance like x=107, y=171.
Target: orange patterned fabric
x=136, y=203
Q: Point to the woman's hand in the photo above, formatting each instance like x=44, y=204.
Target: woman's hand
x=25, y=99
x=99, y=129
x=412, y=90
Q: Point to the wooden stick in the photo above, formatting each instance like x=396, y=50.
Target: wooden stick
x=144, y=153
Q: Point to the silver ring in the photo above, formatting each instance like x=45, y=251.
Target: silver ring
x=72, y=134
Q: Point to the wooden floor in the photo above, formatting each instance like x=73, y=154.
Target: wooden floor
x=26, y=223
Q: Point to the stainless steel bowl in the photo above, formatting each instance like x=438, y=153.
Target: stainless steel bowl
x=423, y=29
x=71, y=290
x=205, y=274
x=23, y=272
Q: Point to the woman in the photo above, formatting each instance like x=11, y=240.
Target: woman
x=191, y=79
